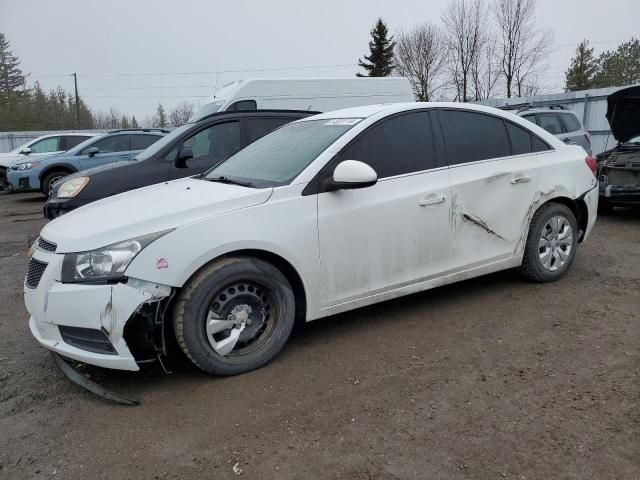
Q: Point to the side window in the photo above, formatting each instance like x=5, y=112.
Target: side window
x=520, y=139
x=550, y=122
x=471, y=136
x=571, y=122
x=243, y=105
x=218, y=141
x=113, y=143
x=46, y=145
x=539, y=145
x=70, y=141
x=259, y=127
x=402, y=144
x=531, y=118
x=140, y=142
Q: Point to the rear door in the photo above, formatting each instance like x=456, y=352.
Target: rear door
x=494, y=178
x=574, y=132
x=211, y=144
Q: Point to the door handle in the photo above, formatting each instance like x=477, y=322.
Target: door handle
x=432, y=200
x=518, y=180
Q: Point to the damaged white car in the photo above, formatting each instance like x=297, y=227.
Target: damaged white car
x=324, y=215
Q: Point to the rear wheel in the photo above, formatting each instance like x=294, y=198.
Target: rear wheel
x=234, y=316
x=551, y=243
x=50, y=179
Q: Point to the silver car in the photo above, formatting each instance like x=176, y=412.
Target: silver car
x=561, y=122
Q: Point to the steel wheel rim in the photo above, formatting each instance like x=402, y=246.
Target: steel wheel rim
x=240, y=318
x=556, y=243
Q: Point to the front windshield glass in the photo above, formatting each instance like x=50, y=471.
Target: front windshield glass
x=163, y=142
x=634, y=140
x=83, y=145
x=279, y=157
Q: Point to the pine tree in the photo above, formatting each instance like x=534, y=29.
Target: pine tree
x=134, y=122
x=160, y=119
x=124, y=123
x=11, y=77
x=620, y=67
x=583, y=67
x=379, y=62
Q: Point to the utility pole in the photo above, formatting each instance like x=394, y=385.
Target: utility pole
x=75, y=82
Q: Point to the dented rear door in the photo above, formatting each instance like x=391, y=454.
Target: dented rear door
x=492, y=190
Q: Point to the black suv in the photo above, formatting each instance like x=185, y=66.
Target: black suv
x=188, y=150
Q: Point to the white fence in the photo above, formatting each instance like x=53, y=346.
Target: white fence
x=589, y=105
x=11, y=140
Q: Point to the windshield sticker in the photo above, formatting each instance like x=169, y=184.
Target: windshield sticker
x=343, y=121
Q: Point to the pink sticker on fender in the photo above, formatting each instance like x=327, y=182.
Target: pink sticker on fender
x=162, y=263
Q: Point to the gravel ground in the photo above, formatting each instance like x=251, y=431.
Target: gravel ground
x=489, y=378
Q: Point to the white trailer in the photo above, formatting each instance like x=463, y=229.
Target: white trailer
x=314, y=94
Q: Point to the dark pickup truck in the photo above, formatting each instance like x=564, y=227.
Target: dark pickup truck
x=188, y=150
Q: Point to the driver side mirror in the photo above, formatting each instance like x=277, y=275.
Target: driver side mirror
x=184, y=155
x=351, y=174
x=25, y=151
x=91, y=151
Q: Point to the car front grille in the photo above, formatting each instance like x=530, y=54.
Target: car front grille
x=46, y=245
x=34, y=273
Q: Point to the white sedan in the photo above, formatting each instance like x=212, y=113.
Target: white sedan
x=324, y=215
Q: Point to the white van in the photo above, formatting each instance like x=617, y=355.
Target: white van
x=313, y=94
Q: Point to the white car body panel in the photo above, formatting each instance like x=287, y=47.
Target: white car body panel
x=14, y=155
x=350, y=248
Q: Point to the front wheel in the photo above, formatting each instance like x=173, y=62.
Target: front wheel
x=234, y=316
x=50, y=179
x=551, y=243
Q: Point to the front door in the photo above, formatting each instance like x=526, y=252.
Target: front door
x=394, y=233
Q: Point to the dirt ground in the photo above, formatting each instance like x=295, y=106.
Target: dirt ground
x=489, y=378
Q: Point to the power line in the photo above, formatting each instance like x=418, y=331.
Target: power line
x=145, y=88
x=161, y=74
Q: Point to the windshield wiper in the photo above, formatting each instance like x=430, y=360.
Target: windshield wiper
x=223, y=179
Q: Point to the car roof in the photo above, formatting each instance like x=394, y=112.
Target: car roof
x=389, y=108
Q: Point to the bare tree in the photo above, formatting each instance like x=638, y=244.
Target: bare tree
x=420, y=55
x=485, y=71
x=181, y=114
x=522, y=48
x=465, y=24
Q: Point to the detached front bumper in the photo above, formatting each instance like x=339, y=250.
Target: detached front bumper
x=591, y=200
x=59, y=311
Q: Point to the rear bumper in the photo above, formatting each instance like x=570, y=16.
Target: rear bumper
x=591, y=199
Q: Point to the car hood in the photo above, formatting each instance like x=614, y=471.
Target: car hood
x=148, y=210
x=623, y=113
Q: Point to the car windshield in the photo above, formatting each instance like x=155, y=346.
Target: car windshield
x=634, y=141
x=279, y=157
x=163, y=142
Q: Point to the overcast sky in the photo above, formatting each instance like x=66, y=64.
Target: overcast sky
x=99, y=39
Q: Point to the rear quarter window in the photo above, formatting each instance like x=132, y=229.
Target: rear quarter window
x=571, y=122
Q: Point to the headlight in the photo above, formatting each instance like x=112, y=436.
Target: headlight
x=105, y=264
x=72, y=187
x=24, y=166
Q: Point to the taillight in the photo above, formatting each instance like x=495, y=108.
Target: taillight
x=592, y=164
x=587, y=135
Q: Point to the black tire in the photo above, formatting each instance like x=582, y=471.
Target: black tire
x=203, y=292
x=532, y=267
x=50, y=179
x=604, y=207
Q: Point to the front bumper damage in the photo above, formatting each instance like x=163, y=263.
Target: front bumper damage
x=117, y=326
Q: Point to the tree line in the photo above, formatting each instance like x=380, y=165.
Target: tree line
x=484, y=49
